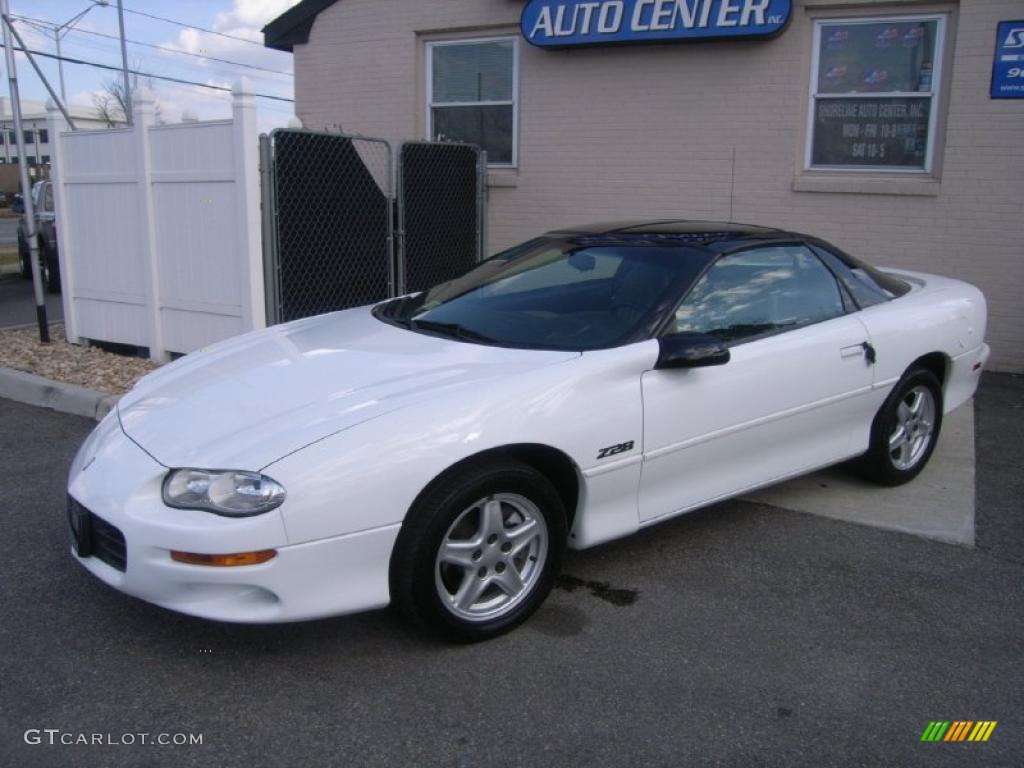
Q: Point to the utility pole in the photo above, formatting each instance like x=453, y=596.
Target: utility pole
x=26, y=188
x=124, y=64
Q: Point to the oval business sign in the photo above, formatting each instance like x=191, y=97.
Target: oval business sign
x=559, y=23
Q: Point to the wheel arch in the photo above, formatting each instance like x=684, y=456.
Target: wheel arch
x=937, y=363
x=556, y=465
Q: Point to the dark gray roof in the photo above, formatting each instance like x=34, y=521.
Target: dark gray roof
x=293, y=25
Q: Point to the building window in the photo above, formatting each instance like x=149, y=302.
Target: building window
x=44, y=136
x=874, y=93
x=12, y=138
x=472, y=95
x=28, y=136
x=46, y=159
x=31, y=159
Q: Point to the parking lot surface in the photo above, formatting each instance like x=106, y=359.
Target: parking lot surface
x=18, y=303
x=741, y=635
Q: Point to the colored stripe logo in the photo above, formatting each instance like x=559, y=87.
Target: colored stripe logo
x=958, y=730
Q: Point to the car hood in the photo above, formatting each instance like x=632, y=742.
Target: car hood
x=248, y=401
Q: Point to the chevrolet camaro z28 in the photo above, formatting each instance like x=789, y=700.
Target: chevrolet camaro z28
x=439, y=451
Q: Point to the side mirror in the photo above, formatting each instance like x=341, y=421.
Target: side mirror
x=691, y=350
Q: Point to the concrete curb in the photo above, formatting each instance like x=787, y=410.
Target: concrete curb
x=67, y=398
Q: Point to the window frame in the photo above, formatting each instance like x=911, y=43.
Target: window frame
x=935, y=95
x=514, y=102
x=849, y=307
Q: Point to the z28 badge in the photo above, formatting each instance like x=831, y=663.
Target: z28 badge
x=612, y=450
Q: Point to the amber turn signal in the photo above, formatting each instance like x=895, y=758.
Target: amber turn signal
x=222, y=561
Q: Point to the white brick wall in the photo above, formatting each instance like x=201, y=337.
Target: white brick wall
x=649, y=131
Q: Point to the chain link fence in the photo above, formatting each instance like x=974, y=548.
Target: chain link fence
x=440, y=211
x=330, y=224
x=336, y=233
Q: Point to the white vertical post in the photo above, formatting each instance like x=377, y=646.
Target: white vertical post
x=144, y=119
x=56, y=125
x=247, y=186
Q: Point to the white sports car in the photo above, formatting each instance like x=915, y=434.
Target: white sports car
x=439, y=451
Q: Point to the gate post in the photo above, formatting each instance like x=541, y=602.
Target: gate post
x=271, y=263
x=482, y=191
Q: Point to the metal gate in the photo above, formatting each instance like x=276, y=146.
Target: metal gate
x=329, y=218
x=330, y=213
x=441, y=195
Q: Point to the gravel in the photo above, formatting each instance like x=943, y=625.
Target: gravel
x=85, y=366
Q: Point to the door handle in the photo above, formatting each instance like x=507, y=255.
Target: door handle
x=857, y=350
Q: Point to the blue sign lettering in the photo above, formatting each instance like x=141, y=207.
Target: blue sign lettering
x=1008, y=67
x=557, y=23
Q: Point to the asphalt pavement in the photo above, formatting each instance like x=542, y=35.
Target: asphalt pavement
x=18, y=303
x=741, y=635
x=8, y=230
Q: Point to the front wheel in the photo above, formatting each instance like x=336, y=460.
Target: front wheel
x=905, y=430
x=479, y=551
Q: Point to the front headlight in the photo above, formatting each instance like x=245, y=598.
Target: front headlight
x=228, y=492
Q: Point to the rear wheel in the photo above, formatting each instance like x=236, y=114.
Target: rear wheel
x=23, y=258
x=50, y=268
x=905, y=430
x=479, y=551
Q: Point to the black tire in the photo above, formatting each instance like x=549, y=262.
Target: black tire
x=879, y=463
x=51, y=268
x=416, y=575
x=24, y=264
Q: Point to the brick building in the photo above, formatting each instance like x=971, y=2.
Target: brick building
x=871, y=123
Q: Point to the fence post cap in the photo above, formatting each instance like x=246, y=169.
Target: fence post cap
x=294, y=122
x=142, y=95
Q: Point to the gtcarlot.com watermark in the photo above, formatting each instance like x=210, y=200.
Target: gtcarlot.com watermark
x=55, y=736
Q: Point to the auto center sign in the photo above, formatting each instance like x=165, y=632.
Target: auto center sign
x=560, y=23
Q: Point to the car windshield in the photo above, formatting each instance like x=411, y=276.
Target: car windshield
x=555, y=293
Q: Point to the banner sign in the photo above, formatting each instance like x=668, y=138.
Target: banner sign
x=1008, y=67
x=558, y=23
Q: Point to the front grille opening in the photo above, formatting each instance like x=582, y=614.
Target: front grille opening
x=95, y=537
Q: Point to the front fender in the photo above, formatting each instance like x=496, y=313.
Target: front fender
x=369, y=476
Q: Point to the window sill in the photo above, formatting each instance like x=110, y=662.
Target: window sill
x=503, y=177
x=918, y=186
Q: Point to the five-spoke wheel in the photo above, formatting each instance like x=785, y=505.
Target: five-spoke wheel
x=480, y=549
x=905, y=429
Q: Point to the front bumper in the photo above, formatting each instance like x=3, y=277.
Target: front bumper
x=120, y=483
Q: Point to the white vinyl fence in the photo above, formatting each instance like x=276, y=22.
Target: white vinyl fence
x=159, y=229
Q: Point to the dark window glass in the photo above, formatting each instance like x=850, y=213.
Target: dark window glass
x=489, y=127
x=3, y=138
x=472, y=72
x=873, y=92
x=46, y=159
x=472, y=95
x=44, y=136
x=29, y=137
x=877, y=282
x=759, y=292
x=555, y=294
x=12, y=138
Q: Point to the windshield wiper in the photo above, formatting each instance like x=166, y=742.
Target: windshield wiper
x=452, y=329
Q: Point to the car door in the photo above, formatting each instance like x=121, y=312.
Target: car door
x=798, y=380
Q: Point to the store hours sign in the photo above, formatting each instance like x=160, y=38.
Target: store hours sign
x=561, y=23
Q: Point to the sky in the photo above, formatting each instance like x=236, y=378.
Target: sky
x=236, y=18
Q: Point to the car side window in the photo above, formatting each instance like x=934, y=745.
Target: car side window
x=759, y=292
